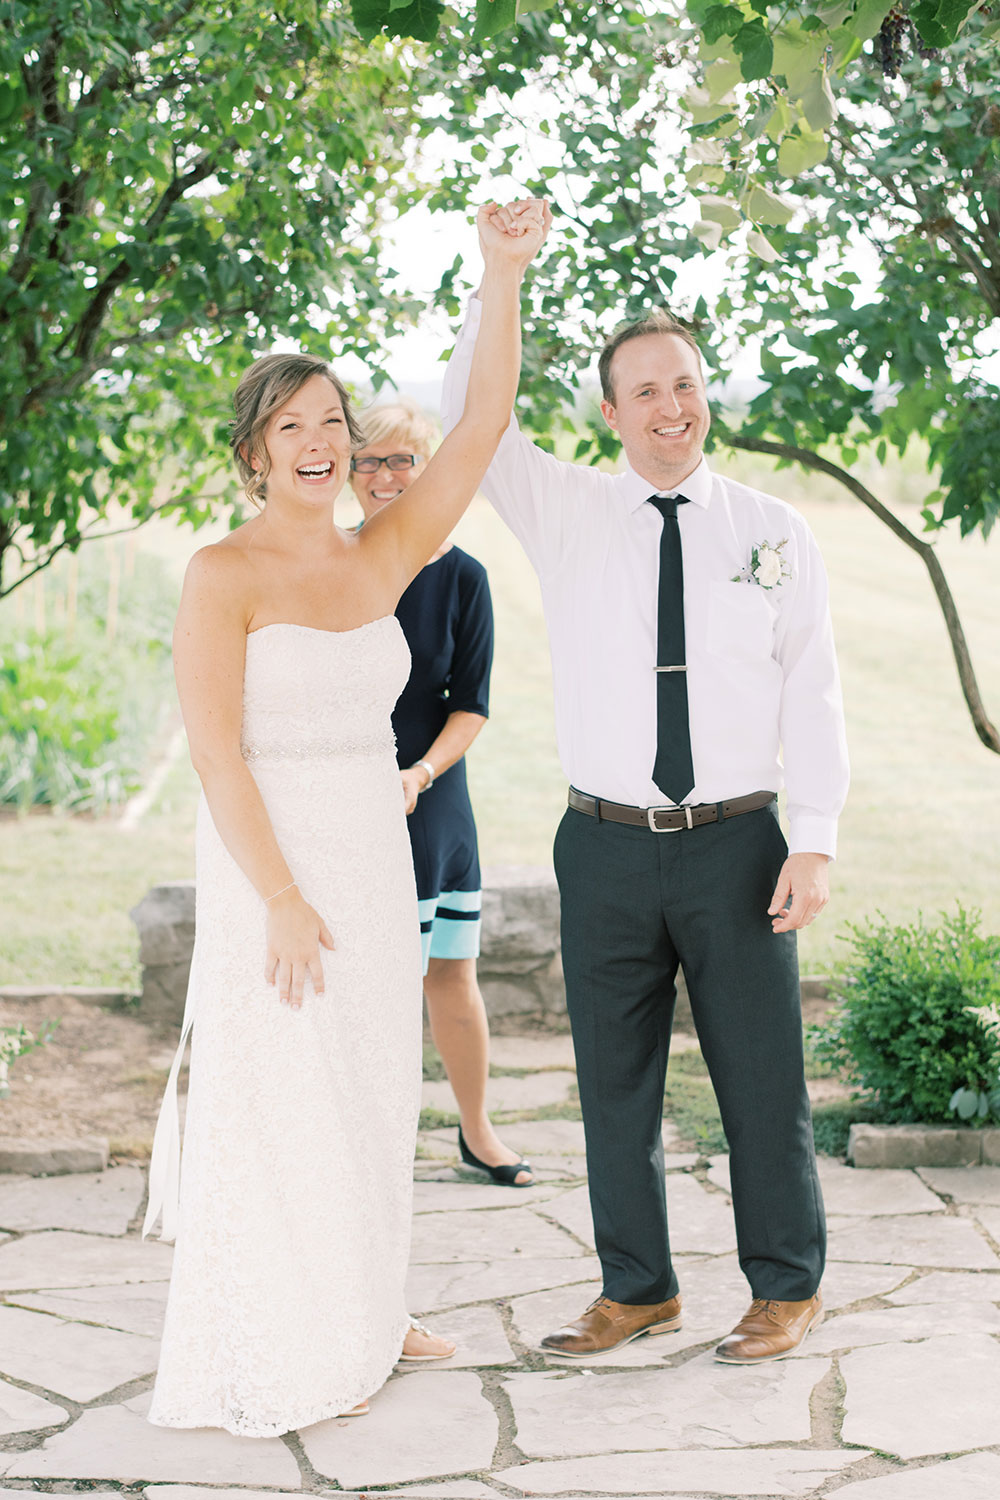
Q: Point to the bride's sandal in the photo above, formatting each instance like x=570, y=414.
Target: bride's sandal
x=420, y=1344
x=361, y=1410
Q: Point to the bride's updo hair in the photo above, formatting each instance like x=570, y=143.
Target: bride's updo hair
x=266, y=387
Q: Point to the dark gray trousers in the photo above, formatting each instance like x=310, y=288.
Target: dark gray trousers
x=634, y=905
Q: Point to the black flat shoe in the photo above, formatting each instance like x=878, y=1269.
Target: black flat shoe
x=505, y=1174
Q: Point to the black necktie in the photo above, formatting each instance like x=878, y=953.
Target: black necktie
x=673, y=770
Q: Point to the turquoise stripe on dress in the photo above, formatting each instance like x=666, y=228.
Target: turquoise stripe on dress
x=450, y=926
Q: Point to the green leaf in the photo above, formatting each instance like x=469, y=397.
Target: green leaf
x=797, y=56
x=868, y=18
x=765, y=207
x=834, y=15
x=755, y=50
x=709, y=232
x=797, y=153
x=494, y=16
x=11, y=99
x=967, y=1103
x=702, y=109
x=722, y=20
x=759, y=245
x=940, y=21
x=720, y=210
x=818, y=103
x=720, y=79
x=781, y=120
x=698, y=174
x=419, y=19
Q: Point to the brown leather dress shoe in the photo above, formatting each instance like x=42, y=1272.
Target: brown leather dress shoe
x=770, y=1330
x=607, y=1325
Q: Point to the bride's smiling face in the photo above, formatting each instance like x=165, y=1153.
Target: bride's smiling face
x=308, y=444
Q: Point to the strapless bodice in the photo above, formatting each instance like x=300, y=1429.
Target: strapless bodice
x=315, y=693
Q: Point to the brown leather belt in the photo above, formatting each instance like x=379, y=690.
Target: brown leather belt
x=668, y=819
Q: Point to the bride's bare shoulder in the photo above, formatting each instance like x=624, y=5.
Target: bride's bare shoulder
x=226, y=558
x=220, y=580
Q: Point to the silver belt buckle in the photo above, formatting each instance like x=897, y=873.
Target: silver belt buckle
x=651, y=813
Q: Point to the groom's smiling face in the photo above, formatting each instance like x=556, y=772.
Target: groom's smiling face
x=660, y=408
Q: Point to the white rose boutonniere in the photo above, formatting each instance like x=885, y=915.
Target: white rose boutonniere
x=767, y=566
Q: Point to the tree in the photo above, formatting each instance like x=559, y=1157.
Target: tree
x=772, y=72
x=911, y=170
x=913, y=174
x=181, y=185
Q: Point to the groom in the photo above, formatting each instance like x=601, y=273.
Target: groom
x=694, y=672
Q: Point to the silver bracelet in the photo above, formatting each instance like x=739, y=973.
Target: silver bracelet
x=291, y=884
x=430, y=772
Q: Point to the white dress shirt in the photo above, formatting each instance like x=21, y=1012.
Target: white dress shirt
x=762, y=675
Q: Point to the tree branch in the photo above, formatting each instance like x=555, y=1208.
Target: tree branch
x=113, y=74
x=83, y=333
x=984, y=728
x=78, y=537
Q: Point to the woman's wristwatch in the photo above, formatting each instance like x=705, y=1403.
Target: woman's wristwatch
x=431, y=773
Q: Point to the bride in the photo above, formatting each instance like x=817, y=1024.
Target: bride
x=286, y=1303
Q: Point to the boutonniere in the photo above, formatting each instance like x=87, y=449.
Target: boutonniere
x=767, y=566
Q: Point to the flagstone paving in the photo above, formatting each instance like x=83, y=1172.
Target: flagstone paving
x=892, y=1398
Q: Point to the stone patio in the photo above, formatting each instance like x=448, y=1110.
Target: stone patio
x=893, y=1398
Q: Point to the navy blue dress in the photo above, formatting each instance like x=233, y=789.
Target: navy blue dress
x=447, y=618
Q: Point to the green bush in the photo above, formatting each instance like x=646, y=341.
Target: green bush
x=78, y=710
x=903, y=1034
x=59, y=723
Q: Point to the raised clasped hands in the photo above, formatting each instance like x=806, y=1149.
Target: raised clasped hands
x=513, y=232
x=295, y=933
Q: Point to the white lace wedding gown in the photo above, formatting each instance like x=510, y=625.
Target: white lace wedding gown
x=286, y=1302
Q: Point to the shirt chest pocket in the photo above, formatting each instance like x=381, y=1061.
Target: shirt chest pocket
x=740, y=622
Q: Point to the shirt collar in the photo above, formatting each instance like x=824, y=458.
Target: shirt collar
x=697, y=487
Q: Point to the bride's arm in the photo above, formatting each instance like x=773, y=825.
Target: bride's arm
x=209, y=657
x=404, y=535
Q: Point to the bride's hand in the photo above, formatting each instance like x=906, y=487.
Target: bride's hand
x=295, y=933
x=514, y=232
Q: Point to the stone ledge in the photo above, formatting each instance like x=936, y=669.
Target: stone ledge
x=53, y=1158
x=87, y=994
x=922, y=1146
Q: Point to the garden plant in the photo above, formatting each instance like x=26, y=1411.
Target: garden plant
x=906, y=1034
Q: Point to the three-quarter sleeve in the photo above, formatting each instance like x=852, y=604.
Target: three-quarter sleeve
x=469, y=679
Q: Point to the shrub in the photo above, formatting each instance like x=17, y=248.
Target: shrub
x=903, y=1034
x=78, y=709
x=60, y=722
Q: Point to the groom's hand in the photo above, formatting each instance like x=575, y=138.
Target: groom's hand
x=802, y=891
x=513, y=232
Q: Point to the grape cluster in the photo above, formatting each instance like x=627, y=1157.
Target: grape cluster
x=897, y=30
x=889, y=47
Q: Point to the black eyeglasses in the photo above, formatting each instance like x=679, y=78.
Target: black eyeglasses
x=394, y=461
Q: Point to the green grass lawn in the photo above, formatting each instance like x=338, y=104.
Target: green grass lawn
x=921, y=829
